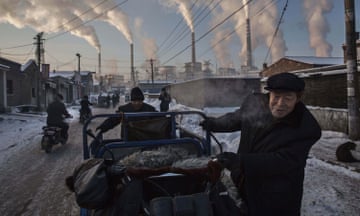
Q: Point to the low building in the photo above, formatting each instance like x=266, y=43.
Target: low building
x=20, y=82
x=3, y=87
x=325, y=79
x=292, y=63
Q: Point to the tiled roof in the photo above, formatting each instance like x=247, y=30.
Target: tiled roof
x=317, y=60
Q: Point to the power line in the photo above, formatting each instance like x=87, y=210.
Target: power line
x=76, y=17
x=184, y=28
x=209, y=31
x=276, y=30
x=235, y=30
x=90, y=20
x=180, y=37
x=19, y=46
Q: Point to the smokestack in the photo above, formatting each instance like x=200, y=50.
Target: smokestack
x=193, y=57
x=248, y=44
x=132, y=64
x=99, y=59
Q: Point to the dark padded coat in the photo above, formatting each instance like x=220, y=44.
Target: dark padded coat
x=273, y=155
x=56, y=112
x=110, y=123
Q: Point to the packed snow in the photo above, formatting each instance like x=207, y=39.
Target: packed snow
x=329, y=188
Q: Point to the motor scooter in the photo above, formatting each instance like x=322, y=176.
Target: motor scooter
x=51, y=137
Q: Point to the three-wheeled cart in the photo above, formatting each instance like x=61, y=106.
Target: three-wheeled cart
x=144, y=131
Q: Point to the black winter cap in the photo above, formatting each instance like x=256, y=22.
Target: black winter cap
x=136, y=94
x=285, y=81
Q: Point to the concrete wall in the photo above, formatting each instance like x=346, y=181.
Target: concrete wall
x=331, y=119
x=214, y=92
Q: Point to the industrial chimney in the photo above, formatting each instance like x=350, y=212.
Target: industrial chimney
x=99, y=59
x=193, y=57
x=248, y=45
x=132, y=64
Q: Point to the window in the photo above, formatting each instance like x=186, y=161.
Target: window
x=9, y=87
x=33, y=94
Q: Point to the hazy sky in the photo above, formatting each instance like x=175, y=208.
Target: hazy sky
x=160, y=29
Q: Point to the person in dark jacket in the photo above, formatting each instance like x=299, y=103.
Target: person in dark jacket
x=277, y=132
x=57, y=112
x=136, y=104
x=85, y=105
x=165, y=100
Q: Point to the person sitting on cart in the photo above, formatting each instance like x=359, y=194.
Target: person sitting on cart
x=136, y=104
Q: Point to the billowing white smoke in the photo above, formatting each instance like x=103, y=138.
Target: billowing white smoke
x=263, y=25
x=149, y=46
x=52, y=16
x=318, y=26
x=114, y=16
x=184, y=8
x=221, y=49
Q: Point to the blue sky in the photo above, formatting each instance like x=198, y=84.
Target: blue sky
x=157, y=21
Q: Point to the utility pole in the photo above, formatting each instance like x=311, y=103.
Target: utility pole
x=78, y=81
x=38, y=43
x=352, y=74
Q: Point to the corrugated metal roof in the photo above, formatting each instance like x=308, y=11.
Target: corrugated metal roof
x=317, y=60
x=66, y=74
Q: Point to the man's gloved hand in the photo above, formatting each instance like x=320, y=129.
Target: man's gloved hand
x=229, y=160
x=108, y=124
x=207, y=123
x=99, y=128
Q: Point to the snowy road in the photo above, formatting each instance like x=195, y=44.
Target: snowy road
x=33, y=183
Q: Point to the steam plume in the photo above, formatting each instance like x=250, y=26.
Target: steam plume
x=246, y=8
x=221, y=50
x=184, y=7
x=115, y=17
x=149, y=45
x=262, y=26
x=48, y=16
x=318, y=26
x=53, y=16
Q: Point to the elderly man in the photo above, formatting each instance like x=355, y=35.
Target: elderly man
x=277, y=132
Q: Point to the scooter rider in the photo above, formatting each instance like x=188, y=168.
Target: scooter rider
x=57, y=112
x=85, y=105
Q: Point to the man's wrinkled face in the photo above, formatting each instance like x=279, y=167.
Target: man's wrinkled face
x=137, y=104
x=282, y=103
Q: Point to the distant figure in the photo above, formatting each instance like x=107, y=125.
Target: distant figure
x=165, y=100
x=115, y=100
x=85, y=105
x=108, y=99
